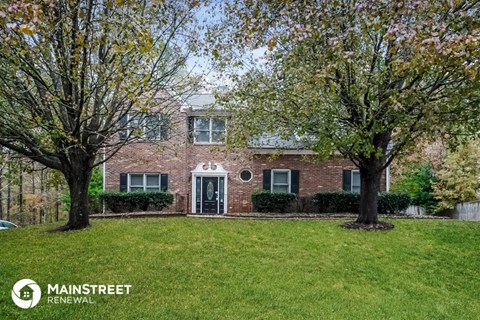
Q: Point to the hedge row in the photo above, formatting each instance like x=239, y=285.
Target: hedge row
x=264, y=201
x=135, y=201
x=341, y=202
x=326, y=202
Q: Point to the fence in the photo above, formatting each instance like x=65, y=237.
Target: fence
x=415, y=210
x=466, y=211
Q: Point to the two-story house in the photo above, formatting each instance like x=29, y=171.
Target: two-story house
x=192, y=163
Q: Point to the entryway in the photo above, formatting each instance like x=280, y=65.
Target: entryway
x=209, y=189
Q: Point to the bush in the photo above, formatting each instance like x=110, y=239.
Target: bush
x=337, y=202
x=133, y=201
x=391, y=203
x=264, y=201
x=418, y=182
x=343, y=202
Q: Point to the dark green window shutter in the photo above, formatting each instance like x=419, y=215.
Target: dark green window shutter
x=267, y=180
x=163, y=182
x=295, y=181
x=347, y=180
x=122, y=121
x=191, y=128
x=123, y=182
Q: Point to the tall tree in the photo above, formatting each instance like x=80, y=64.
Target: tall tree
x=352, y=75
x=70, y=69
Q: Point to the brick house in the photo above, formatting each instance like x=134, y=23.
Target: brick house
x=204, y=177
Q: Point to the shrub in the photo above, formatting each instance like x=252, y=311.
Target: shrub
x=337, y=202
x=305, y=205
x=264, y=201
x=126, y=202
x=418, y=182
x=342, y=202
x=391, y=203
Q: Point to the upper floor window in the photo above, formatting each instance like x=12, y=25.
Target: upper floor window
x=208, y=130
x=149, y=126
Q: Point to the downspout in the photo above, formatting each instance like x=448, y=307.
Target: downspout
x=387, y=179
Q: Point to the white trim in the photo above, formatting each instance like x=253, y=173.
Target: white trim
x=289, y=178
x=216, y=171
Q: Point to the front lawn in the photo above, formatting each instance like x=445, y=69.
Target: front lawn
x=185, y=268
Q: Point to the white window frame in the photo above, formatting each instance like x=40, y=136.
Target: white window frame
x=144, y=185
x=352, y=172
x=142, y=122
x=210, y=130
x=281, y=171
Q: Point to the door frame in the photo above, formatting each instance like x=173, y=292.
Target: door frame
x=203, y=170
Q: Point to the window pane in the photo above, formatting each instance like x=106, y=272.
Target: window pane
x=202, y=136
x=218, y=136
x=133, y=189
x=153, y=188
x=280, y=189
x=218, y=124
x=202, y=124
x=152, y=127
x=136, y=179
x=280, y=177
x=355, y=181
x=152, y=180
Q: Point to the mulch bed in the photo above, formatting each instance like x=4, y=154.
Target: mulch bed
x=153, y=214
x=380, y=226
x=262, y=216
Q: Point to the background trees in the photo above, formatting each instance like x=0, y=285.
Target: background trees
x=69, y=70
x=353, y=75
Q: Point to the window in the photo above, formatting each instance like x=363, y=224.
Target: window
x=246, y=175
x=281, y=181
x=144, y=182
x=149, y=126
x=356, y=181
x=208, y=130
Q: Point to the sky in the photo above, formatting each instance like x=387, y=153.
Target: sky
x=202, y=65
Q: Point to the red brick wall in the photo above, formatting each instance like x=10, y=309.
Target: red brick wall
x=178, y=158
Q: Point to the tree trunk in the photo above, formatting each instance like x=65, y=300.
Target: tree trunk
x=20, y=192
x=78, y=175
x=1, y=194
x=369, y=187
x=9, y=192
x=57, y=202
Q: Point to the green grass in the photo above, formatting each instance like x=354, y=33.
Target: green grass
x=184, y=268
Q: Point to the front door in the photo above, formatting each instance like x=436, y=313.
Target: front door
x=210, y=195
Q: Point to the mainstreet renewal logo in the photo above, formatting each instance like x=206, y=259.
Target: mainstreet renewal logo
x=26, y=293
